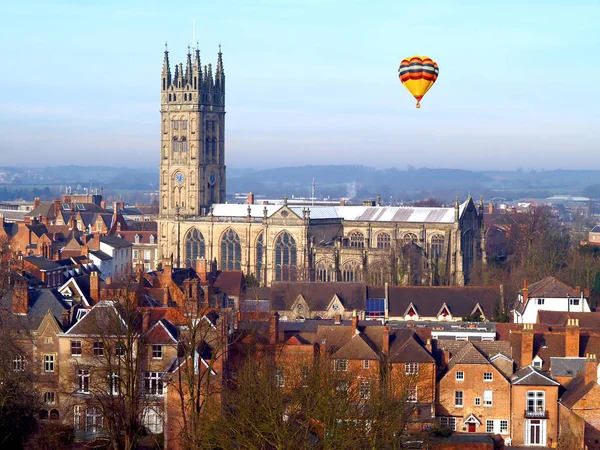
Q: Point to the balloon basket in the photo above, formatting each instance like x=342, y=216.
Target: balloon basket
x=418, y=105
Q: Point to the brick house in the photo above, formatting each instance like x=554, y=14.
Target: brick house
x=145, y=248
x=473, y=394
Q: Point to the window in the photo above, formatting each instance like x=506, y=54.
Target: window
x=49, y=340
x=98, y=348
x=458, y=399
x=574, y=301
x=285, y=257
x=157, y=352
x=323, y=270
x=489, y=426
x=83, y=381
x=488, y=376
x=411, y=368
x=279, y=377
x=153, y=421
x=410, y=238
x=135, y=254
x=231, y=251
x=342, y=387
x=49, y=398
x=176, y=124
x=153, y=383
x=412, y=394
x=448, y=422
x=537, y=363
x=364, y=390
x=540, y=301
x=184, y=122
x=477, y=401
x=357, y=239
x=93, y=420
x=147, y=255
x=437, y=246
x=259, y=257
x=151, y=236
x=75, y=348
x=383, y=240
x=535, y=401
x=184, y=144
x=487, y=398
x=120, y=349
x=504, y=427
x=376, y=307
x=175, y=144
x=340, y=365
x=366, y=364
x=194, y=247
x=48, y=363
x=460, y=376
x=305, y=373
x=137, y=239
x=19, y=363
x=352, y=272
x=77, y=417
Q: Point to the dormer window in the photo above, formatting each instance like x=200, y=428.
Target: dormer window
x=137, y=238
x=537, y=362
x=574, y=301
x=152, y=239
x=540, y=301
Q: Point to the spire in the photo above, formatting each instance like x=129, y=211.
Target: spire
x=176, y=77
x=220, y=72
x=456, y=210
x=188, y=67
x=210, y=76
x=166, y=70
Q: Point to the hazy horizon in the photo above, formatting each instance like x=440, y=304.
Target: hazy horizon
x=308, y=82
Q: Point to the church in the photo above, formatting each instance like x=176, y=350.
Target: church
x=281, y=242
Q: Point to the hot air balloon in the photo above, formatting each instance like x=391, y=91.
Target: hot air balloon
x=418, y=73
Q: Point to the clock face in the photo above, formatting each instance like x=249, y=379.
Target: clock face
x=179, y=177
x=212, y=178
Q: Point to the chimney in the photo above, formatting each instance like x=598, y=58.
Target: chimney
x=206, y=296
x=21, y=298
x=274, y=328
x=572, y=338
x=36, y=202
x=116, y=208
x=56, y=204
x=145, y=321
x=491, y=208
x=251, y=198
x=527, y=344
x=343, y=202
x=337, y=319
x=586, y=293
x=165, y=296
x=323, y=349
x=525, y=292
x=195, y=292
x=95, y=286
x=591, y=368
x=354, y=323
x=66, y=321
x=237, y=319
x=167, y=267
x=103, y=204
x=200, y=266
x=386, y=340
x=429, y=346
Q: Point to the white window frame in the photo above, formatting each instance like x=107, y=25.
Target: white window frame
x=412, y=394
x=157, y=351
x=153, y=421
x=49, y=363
x=19, y=363
x=458, y=397
x=279, y=376
x=503, y=429
x=98, y=348
x=135, y=254
x=340, y=365
x=489, y=426
x=366, y=364
x=94, y=420
x=459, y=376
x=50, y=398
x=540, y=301
x=488, y=398
x=448, y=422
x=77, y=417
x=83, y=381
x=365, y=390
x=77, y=346
x=147, y=255
x=477, y=401
x=411, y=368
x=488, y=379
x=153, y=383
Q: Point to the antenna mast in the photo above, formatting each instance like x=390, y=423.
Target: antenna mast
x=313, y=193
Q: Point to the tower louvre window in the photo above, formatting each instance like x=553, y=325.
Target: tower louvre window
x=175, y=145
x=183, y=144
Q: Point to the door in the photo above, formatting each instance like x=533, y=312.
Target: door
x=472, y=428
x=535, y=432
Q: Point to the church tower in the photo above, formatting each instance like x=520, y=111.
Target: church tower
x=192, y=158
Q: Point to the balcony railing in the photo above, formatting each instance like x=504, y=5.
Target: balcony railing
x=536, y=413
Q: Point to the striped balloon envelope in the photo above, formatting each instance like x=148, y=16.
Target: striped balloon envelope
x=418, y=73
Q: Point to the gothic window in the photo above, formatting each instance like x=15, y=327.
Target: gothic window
x=214, y=150
x=184, y=123
x=383, y=240
x=437, y=246
x=164, y=84
x=323, y=270
x=194, y=247
x=410, y=238
x=183, y=144
x=169, y=97
x=185, y=97
x=351, y=272
x=357, y=239
x=190, y=97
x=195, y=82
x=378, y=272
x=207, y=150
x=231, y=251
x=175, y=96
x=175, y=145
x=285, y=257
x=259, y=256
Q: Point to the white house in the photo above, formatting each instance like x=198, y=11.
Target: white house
x=548, y=294
x=113, y=259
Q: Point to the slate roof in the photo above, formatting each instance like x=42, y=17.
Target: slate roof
x=567, y=367
x=138, y=225
x=115, y=241
x=405, y=347
x=559, y=318
x=42, y=263
x=358, y=347
x=469, y=354
x=229, y=281
x=429, y=300
x=41, y=301
x=45, y=209
x=144, y=236
x=488, y=348
x=528, y=376
x=550, y=287
x=317, y=295
x=100, y=255
x=577, y=390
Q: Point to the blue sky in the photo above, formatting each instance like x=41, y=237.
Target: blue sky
x=308, y=81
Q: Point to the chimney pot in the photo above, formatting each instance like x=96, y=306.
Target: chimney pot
x=274, y=328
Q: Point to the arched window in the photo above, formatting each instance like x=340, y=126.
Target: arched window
x=183, y=144
x=152, y=239
x=285, y=258
x=384, y=240
x=43, y=414
x=352, y=272
x=259, y=257
x=175, y=145
x=153, y=420
x=175, y=96
x=194, y=247
x=164, y=84
x=169, y=97
x=437, y=246
x=185, y=97
x=357, y=239
x=231, y=251
x=207, y=150
x=137, y=238
x=378, y=273
x=410, y=238
x=324, y=270
x=214, y=150
x=190, y=98
x=54, y=414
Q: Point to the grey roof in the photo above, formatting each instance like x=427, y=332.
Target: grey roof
x=567, y=367
x=115, y=241
x=528, y=376
x=596, y=229
x=100, y=255
x=41, y=301
x=469, y=354
x=42, y=263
